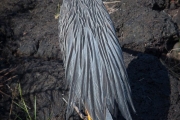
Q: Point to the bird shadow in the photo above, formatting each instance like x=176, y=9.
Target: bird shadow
x=150, y=86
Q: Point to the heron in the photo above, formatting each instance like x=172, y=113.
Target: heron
x=94, y=68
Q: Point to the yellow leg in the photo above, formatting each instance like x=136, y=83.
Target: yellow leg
x=88, y=115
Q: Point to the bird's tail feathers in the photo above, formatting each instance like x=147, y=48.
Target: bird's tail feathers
x=108, y=115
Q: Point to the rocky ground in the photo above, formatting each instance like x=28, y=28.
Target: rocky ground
x=30, y=55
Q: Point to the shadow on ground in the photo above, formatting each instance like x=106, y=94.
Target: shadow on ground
x=150, y=86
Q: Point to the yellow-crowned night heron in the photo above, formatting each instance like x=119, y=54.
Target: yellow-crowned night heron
x=93, y=60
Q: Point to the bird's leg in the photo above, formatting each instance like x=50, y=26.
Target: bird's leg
x=77, y=110
x=88, y=115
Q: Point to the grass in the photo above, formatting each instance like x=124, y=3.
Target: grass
x=6, y=77
x=22, y=104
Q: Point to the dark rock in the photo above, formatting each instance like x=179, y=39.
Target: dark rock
x=138, y=24
x=176, y=17
x=175, y=100
x=154, y=4
x=172, y=5
x=45, y=80
x=35, y=33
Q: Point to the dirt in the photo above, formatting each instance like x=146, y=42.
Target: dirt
x=30, y=55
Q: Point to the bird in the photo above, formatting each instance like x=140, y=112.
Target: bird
x=95, y=72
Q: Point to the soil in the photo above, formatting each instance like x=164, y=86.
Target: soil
x=30, y=56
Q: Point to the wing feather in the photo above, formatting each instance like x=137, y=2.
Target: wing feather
x=93, y=60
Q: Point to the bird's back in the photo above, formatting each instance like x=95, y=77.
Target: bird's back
x=95, y=71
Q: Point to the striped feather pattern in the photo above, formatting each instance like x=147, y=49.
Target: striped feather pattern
x=94, y=67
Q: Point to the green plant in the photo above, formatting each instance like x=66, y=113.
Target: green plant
x=24, y=106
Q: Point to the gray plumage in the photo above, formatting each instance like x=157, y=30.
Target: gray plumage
x=93, y=60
